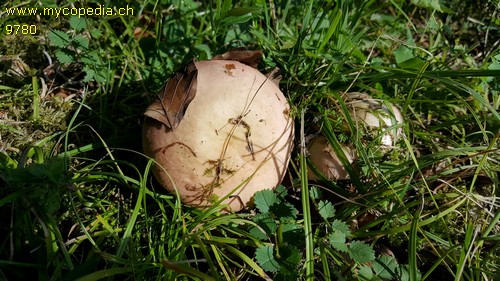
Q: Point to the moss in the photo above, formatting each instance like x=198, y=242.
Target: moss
x=18, y=130
x=27, y=48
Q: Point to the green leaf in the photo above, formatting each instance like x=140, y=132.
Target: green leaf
x=81, y=42
x=223, y=7
x=338, y=241
x=431, y=4
x=91, y=58
x=59, y=38
x=78, y=23
x=341, y=226
x=95, y=33
x=11, y=197
x=405, y=59
x=235, y=20
x=413, y=63
x=236, y=15
x=241, y=11
x=205, y=52
x=185, y=6
x=365, y=273
x=284, y=211
x=97, y=74
x=403, y=54
x=289, y=258
x=281, y=191
x=6, y=162
x=57, y=170
x=326, y=209
x=293, y=234
x=361, y=252
x=65, y=56
x=315, y=193
x=285, y=260
x=265, y=257
x=267, y=226
x=403, y=273
x=89, y=74
x=385, y=267
x=264, y=200
x=495, y=63
x=38, y=171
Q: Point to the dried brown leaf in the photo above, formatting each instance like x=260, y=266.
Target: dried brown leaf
x=175, y=98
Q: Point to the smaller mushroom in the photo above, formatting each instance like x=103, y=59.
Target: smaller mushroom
x=377, y=116
x=327, y=161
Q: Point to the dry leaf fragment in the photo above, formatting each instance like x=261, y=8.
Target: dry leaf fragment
x=174, y=98
x=275, y=76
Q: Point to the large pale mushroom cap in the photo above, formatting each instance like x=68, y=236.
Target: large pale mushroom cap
x=234, y=138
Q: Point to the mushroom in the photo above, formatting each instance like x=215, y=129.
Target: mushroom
x=384, y=118
x=377, y=116
x=219, y=132
x=326, y=159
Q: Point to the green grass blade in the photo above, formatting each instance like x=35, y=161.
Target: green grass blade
x=205, y=253
x=324, y=262
x=106, y=273
x=470, y=235
x=135, y=213
x=442, y=257
x=36, y=97
x=306, y=208
x=412, y=251
x=187, y=270
x=407, y=227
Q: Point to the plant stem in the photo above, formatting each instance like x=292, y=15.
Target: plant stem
x=306, y=208
x=36, y=97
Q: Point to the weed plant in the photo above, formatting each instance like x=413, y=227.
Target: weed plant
x=78, y=202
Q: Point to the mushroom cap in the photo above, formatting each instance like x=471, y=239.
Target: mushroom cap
x=327, y=161
x=378, y=115
x=235, y=138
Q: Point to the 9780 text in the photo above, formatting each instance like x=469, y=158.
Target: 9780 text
x=24, y=29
